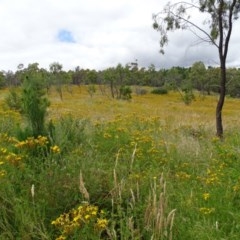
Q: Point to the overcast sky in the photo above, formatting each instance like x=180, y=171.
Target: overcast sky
x=96, y=34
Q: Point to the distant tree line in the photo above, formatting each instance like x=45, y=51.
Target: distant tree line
x=197, y=77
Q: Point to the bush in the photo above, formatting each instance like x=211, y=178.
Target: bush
x=13, y=100
x=34, y=104
x=91, y=90
x=188, y=97
x=159, y=91
x=125, y=93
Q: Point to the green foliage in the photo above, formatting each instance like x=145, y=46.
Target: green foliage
x=174, y=77
x=160, y=91
x=58, y=77
x=13, y=100
x=198, y=77
x=188, y=96
x=8, y=122
x=2, y=80
x=91, y=77
x=117, y=78
x=204, y=80
x=67, y=132
x=125, y=92
x=34, y=103
x=91, y=90
x=233, y=86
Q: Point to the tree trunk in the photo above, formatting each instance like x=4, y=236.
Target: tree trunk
x=112, y=89
x=219, y=125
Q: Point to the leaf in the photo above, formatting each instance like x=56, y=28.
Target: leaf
x=155, y=25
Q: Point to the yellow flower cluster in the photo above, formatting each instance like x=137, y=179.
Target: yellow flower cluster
x=55, y=149
x=2, y=173
x=183, y=175
x=13, y=158
x=77, y=219
x=101, y=223
x=236, y=187
x=3, y=150
x=206, y=211
x=107, y=135
x=7, y=139
x=32, y=142
x=206, y=196
x=9, y=157
x=213, y=175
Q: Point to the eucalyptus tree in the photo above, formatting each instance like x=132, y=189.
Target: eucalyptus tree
x=110, y=77
x=233, y=83
x=213, y=76
x=11, y=78
x=117, y=77
x=153, y=77
x=78, y=75
x=198, y=77
x=2, y=79
x=91, y=77
x=174, y=77
x=219, y=17
x=56, y=70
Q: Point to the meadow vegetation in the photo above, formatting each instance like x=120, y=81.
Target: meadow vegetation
x=103, y=168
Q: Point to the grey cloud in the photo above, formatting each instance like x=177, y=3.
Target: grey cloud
x=106, y=33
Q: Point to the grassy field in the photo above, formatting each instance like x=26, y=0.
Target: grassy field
x=149, y=168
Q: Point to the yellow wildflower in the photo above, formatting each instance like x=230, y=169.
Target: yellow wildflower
x=2, y=173
x=55, y=149
x=61, y=238
x=3, y=150
x=107, y=135
x=41, y=140
x=206, y=196
x=206, y=211
x=101, y=223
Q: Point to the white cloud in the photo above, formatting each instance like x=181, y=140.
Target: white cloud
x=105, y=32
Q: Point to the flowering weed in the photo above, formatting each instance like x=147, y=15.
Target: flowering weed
x=74, y=223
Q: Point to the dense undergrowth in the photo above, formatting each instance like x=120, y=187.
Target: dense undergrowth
x=150, y=168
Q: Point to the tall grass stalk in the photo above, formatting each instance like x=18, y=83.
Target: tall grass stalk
x=157, y=220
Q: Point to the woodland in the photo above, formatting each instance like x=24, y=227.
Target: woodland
x=204, y=79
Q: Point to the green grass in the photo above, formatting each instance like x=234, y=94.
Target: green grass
x=149, y=168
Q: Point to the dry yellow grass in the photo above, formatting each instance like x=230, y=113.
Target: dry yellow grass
x=169, y=108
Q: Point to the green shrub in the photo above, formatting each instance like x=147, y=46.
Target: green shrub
x=188, y=97
x=34, y=103
x=125, y=92
x=159, y=91
x=91, y=90
x=67, y=132
x=13, y=100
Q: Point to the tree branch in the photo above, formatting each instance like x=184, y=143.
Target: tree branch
x=195, y=26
